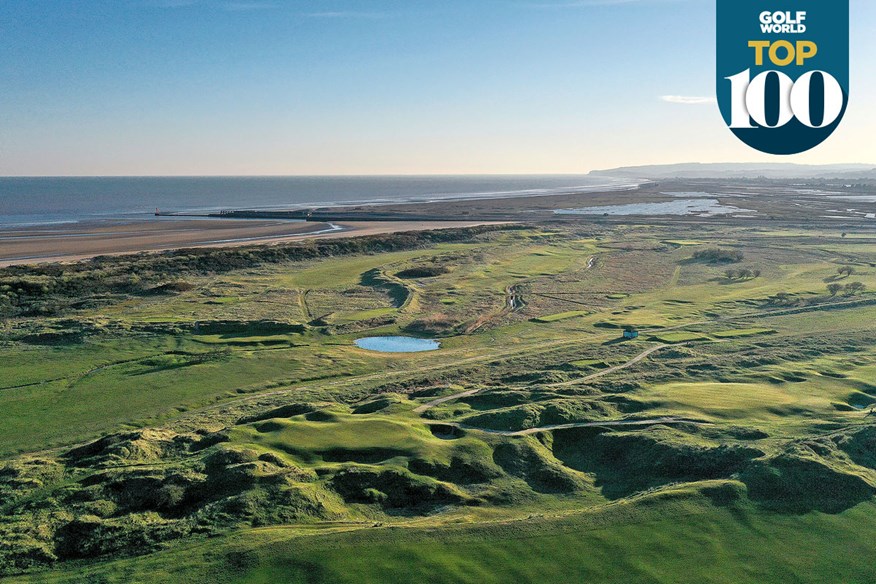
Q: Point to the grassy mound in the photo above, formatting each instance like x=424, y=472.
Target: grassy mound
x=434, y=325
x=135, y=447
x=546, y=413
x=128, y=507
x=529, y=460
x=859, y=445
x=393, y=489
x=627, y=543
x=809, y=477
x=628, y=462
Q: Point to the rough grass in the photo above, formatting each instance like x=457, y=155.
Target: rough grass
x=633, y=543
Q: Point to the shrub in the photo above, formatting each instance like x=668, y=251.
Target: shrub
x=434, y=324
x=719, y=256
x=853, y=288
x=422, y=272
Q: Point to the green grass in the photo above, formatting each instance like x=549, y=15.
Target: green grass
x=538, y=508
x=107, y=395
x=776, y=402
x=343, y=272
x=561, y=316
x=346, y=317
x=719, y=548
x=630, y=543
x=722, y=399
x=344, y=436
x=589, y=363
x=243, y=340
x=678, y=337
x=737, y=333
x=683, y=242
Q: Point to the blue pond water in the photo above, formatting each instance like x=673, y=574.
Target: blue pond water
x=397, y=344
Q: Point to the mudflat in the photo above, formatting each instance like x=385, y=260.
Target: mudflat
x=64, y=243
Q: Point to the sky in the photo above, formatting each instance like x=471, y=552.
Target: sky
x=328, y=87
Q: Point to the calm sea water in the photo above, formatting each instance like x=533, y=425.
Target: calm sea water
x=37, y=201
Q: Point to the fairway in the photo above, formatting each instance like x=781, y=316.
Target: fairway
x=738, y=400
x=608, y=547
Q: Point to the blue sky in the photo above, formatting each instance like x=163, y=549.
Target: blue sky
x=170, y=87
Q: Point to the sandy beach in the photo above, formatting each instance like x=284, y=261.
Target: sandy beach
x=79, y=241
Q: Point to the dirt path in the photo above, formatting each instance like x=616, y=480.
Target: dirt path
x=610, y=370
x=638, y=358
x=439, y=401
x=336, y=384
x=606, y=424
x=645, y=354
x=513, y=303
x=305, y=307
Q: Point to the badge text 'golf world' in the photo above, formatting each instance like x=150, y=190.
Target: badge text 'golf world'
x=783, y=71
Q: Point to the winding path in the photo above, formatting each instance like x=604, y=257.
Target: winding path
x=610, y=370
x=441, y=400
x=638, y=358
x=605, y=424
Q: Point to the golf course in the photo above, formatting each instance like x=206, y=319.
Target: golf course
x=603, y=401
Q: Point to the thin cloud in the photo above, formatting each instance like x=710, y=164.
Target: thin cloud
x=247, y=6
x=233, y=6
x=347, y=14
x=169, y=3
x=688, y=99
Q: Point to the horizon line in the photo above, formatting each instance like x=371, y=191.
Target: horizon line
x=428, y=174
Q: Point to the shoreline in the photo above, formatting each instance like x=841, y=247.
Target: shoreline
x=67, y=242
x=374, y=202
x=763, y=204
x=73, y=243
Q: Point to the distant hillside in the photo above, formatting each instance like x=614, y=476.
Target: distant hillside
x=743, y=170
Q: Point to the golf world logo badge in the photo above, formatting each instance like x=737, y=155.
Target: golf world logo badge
x=783, y=71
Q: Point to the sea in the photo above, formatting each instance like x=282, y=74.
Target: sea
x=54, y=201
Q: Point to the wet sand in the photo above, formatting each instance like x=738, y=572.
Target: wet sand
x=73, y=242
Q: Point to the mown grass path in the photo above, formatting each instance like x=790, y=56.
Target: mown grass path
x=504, y=354
x=637, y=359
x=439, y=401
x=605, y=424
x=640, y=357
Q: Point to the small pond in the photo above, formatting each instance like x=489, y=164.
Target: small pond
x=397, y=344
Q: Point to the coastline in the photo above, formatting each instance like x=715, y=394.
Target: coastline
x=82, y=241
x=64, y=242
